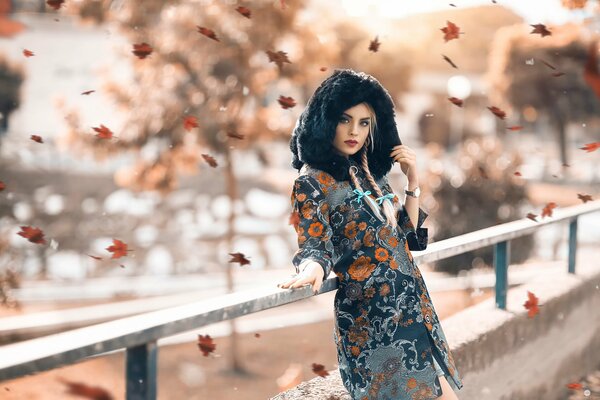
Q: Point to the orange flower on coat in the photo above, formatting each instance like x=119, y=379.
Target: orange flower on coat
x=361, y=269
x=316, y=229
x=301, y=196
x=381, y=254
x=393, y=241
x=384, y=290
x=368, y=239
x=410, y=257
x=393, y=264
x=325, y=179
x=350, y=230
x=307, y=210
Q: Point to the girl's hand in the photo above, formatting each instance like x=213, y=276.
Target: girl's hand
x=407, y=159
x=312, y=275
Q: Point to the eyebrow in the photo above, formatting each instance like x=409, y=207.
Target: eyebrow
x=362, y=119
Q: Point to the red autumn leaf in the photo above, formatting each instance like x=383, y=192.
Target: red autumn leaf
x=239, y=258
x=584, y=197
x=374, y=45
x=278, y=57
x=497, y=112
x=541, y=30
x=118, y=248
x=257, y=335
x=531, y=305
x=88, y=92
x=286, y=102
x=28, y=53
x=103, y=132
x=451, y=31
x=557, y=74
x=245, y=11
x=449, y=61
x=514, y=128
x=319, y=369
x=142, y=50
x=37, y=138
x=517, y=173
x=235, y=135
x=547, y=210
x=2, y=186
x=294, y=219
x=206, y=344
x=190, y=122
x=323, y=69
x=210, y=160
x=207, y=32
x=589, y=147
x=574, y=386
x=34, y=235
x=532, y=217
x=95, y=257
x=83, y=390
x=56, y=4
x=574, y=4
x=456, y=101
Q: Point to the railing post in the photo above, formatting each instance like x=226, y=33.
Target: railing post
x=572, y=244
x=141, y=371
x=501, y=256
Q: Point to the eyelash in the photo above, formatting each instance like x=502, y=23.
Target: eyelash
x=346, y=119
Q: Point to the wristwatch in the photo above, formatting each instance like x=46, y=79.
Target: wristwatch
x=414, y=193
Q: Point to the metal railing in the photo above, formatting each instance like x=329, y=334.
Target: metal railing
x=139, y=334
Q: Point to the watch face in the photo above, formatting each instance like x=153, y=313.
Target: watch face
x=417, y=191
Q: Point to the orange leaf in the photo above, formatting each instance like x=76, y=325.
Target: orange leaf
x=142, y=50
x=319, y=370
x=497, y=112
x=514, y=128
x=531, y=305
x=456, y=101
x=286, y=102
x=278, y=57
x=547, y=211
x=574, y=386
x=37, y=138
x=206, y=344
x=257, y=335
x=374, y=45
x=95, y=257
x=517, y=173
x=190, y=122
x=574, y=4
x=56, y=4
x=589, y=147
x=28, y=53
x=451, y=31
x=532, y=217
x=449, y=61
x=541, y=30
x=207, y=32
x=118, y=248
x=34, y=235
x=584, y=197
x=83, y=390
x=210, y=160
x=239, y=258
x=88, y=92
x=103, y=132
x=245, y=11
x=323, y=69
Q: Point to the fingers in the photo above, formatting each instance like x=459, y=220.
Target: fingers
x=300, y=281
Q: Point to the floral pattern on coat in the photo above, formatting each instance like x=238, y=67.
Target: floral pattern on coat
x=386, y=328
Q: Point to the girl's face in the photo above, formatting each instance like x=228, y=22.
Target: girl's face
x=352, y=130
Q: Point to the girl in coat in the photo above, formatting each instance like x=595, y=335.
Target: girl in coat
x=390, y=344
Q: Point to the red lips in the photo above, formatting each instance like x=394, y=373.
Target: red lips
x=351, y=141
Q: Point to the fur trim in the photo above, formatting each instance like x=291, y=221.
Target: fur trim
x=313, y=135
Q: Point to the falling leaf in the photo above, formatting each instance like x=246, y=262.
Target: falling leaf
x=574, y=386
x=541, y=30
x=591, y=72
x=142, y=50
x=244, y=11
x=517, y=173
x=456, y=101
x=103, y=132
x=323, y=69
x=449, y=61
x=548, y=64
x=482, y=172
x=557, y=74
x=584, y=197
x=574, y=4
x=235, y=135
x=2, y=186
x=34, y=235
x=118, y=248
x=95, y=257
x=37, y=138
x=257, y=335
x=531, y=305
x=532, y=216
x=210, y=160
x=452, y=5
x=239, y=258
x=497, y=112
x=83, y=390
x=278, y=57
x=374, y=45
x=514, y=128
x=28, y=53
x=589, y=147
x=206, y=344
x=547, y=210
x=286, y=102
x=88, y=92
x=56, y=4
x=319, y=370
x=294, y=219
x=451, y=31
x=207, y=32
x=190, y=122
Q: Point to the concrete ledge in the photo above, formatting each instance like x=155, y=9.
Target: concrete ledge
x=503, y=354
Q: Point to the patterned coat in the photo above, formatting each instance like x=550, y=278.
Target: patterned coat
x=386, y=328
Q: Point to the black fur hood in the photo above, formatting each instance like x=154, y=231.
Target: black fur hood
x=313, y=135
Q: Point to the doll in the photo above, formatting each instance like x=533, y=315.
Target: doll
x=389, y=341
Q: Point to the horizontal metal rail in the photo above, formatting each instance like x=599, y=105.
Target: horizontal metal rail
x=139, y=334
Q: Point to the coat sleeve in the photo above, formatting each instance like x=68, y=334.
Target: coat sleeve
x=312, y=225
x=417, y=237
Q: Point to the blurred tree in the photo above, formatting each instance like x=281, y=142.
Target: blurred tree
x=11, y=79
x=543, y=73
x=483, y=194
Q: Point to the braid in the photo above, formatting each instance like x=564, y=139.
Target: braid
x=388, y=207
x=372, y=204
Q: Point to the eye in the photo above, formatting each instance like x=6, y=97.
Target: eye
x=343, y=119
x=366, y=123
